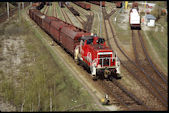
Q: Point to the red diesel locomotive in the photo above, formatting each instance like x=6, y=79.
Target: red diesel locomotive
x=86, y=48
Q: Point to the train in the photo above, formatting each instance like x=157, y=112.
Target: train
x=134, y=17
x=75, y=12
x=83, y=5
x=98, y=3
x=86, y=48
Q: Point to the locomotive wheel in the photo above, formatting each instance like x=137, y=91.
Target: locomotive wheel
x=118, y=76
x=77, y=61
x=111, y=78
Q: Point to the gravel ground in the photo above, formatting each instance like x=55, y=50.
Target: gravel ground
x=6, y=107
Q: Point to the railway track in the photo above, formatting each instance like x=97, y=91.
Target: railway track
x=4, y=16
x=89, y=23
x=129, y=64
x=54, y=10
x=81, y=10
x=108, y=15
x=82, y=22
x=43, y=11
x=136, y=103
x=123, y=96
x=46, y=10
x=66, y=17
x=160, y=74
x=110, y=6
x=159, y=84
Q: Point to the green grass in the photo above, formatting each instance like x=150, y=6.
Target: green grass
x=42, y=77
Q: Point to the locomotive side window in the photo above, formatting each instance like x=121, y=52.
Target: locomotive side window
x=82, y=42
x=100, y=41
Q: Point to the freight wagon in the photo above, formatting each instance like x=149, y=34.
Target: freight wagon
x=75, y=12
x=83, y=5
x=98, y=3
x=38, y=5
x=86, y=48
x=35, y=4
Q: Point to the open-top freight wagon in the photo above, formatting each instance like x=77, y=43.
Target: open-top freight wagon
x=38, y=5
x=83, y=5
x=74, y=11
x=98, y=3
x=86, y=48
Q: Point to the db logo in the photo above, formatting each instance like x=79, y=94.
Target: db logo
x=89, y=57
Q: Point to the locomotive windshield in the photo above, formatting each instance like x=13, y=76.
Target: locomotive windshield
x=100, y=41
x=89, y=41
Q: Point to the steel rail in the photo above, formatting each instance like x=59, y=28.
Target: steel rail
x=150, y=61
x=151, y=80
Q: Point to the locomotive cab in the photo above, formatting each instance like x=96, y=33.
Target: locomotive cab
x=93, y=40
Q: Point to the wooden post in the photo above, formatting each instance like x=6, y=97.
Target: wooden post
x=22, y=5
x=50, y=102
x=100, y=18
x=8, y=9
x=19, y=8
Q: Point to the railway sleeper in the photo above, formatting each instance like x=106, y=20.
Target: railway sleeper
x=130, y=103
